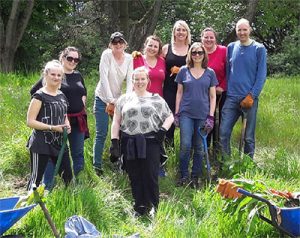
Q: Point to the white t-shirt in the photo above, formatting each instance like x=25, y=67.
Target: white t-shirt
x=112, y=75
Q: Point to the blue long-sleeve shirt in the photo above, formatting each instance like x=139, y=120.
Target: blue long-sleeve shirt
x=246, y=68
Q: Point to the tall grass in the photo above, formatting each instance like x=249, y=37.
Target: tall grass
x=183, y=212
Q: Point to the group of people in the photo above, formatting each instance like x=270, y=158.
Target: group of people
x=178, y=84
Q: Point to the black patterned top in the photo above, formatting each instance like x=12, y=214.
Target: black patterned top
x=53, y=112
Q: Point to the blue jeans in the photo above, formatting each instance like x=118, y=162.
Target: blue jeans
x=76, y=143
x=102, y=120
x=230, y=114
x=190, y=139
x=65, y=167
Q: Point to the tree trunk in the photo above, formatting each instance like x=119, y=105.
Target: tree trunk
x=249, y=15
x=144, y=27
x=124, y=16
x=11, y=36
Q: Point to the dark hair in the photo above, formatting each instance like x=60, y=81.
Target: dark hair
x=66, y=51
x=156, y=38
x=189, y=60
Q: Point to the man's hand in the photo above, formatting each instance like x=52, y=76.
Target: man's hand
x=247, y=102
x=110, y=109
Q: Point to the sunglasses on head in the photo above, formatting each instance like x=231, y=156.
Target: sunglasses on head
x=70, y=59
x=194, y=53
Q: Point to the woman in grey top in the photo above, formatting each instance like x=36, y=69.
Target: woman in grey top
x=142, y=118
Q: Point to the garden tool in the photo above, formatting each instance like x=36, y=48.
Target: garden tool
x=244, y=124
x=38, y=199
x=203, y=135
x=59, y=157
x=216, y=129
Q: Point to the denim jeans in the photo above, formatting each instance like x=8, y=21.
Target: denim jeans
x=190, y=139
x=65, y=169
x=230, y=114
x=102, y=120
x=76, y=143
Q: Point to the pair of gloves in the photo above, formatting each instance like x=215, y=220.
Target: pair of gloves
x=228, y=189
x=208, y=126
x=115, y=151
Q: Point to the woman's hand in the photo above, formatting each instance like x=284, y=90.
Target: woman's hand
x=60, y=128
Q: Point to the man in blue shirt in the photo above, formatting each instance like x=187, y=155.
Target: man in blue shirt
x=246, y=75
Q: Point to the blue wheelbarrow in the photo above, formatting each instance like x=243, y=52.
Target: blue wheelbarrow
x=9, y=215
x=284, y=219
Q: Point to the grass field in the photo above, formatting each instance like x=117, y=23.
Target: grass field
x=183, y=212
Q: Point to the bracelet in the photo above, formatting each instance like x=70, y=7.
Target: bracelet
x=50, y=128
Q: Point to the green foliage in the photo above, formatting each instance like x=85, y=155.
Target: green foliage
x=287, y=60
x=183, y=212
x=42, y=38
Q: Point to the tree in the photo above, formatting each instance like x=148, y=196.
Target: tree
x=128, y=16
x=249, y=14
x=12, y=30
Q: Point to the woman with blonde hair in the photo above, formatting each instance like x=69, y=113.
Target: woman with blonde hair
x=47, y=116
x=175, y=55
x=142, y=119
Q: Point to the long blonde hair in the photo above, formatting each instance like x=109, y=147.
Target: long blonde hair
x=185, y=26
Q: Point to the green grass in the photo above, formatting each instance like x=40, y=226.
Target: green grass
x=107, y=202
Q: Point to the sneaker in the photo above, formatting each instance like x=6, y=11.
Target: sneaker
x=183, y=182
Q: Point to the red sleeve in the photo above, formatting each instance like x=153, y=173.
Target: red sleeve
x=222, y=75
x=138, y=62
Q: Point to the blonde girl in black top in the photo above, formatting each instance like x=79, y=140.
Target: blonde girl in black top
x=47, y=116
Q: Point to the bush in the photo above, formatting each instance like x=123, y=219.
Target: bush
x=286, y=61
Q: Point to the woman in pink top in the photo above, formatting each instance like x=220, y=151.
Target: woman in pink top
x=154, y=64
x=216, y=61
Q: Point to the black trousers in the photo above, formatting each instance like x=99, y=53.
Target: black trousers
x=170, y=98
x=38, y=163
x=143, y=176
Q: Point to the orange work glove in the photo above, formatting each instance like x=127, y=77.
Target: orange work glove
x=174, y=70
x=247, y=102
x=135, y=54
x=110, y=109
x=285, y=194
x=228, y=189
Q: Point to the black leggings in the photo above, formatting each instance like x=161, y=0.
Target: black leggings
x=38, y=167
x=143, y=175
